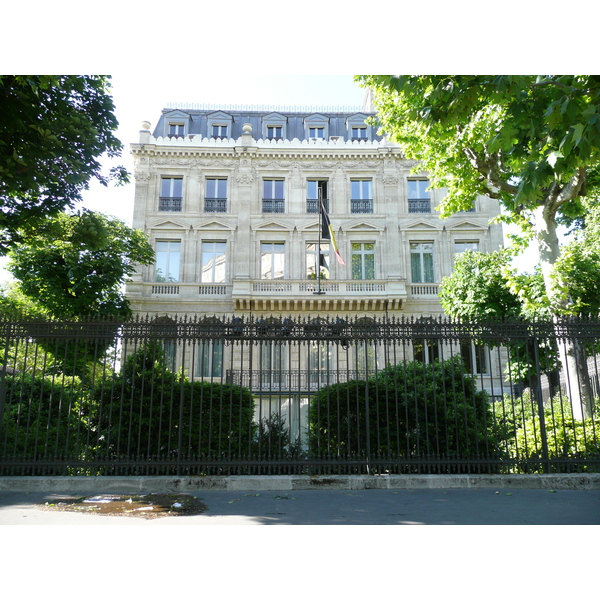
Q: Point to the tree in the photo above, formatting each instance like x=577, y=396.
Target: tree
x=531, y=142
x=74, y=265
x=53, y=131
x=481, y=289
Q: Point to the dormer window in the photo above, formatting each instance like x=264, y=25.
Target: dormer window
x=176, y=129
x=274, y=126
x=219, y=125
x=357, y=128
x=274, y=132
x=316, y=127
x=219, y=131
x=359, y=133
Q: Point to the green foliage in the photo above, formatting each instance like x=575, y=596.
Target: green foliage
x=531, y=142
x=150, y=411
x=567, y=438
x=273, y=439
x=53, y=131
x=75, y=265
x=513, y=137
x=45, y=417
x=478, y=288
x=414, y=410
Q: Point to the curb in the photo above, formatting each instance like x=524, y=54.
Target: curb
x=570, y=481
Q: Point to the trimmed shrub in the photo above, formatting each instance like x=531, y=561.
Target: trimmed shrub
x=45, y=417
x=151, y=411
x=414, y=410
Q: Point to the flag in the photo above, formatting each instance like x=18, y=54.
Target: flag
x=327, y=233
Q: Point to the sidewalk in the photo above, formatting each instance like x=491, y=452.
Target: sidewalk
x=473, y=506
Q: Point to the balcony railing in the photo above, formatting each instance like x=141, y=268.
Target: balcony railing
x=291, y=380
x=215, y=205
x=169, y=204
x=424, y=289
x=312, y=205
x=420, y=205
x=273, y=206
x=361, y=206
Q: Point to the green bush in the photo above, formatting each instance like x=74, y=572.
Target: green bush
x=152, y=411
x=273, y=439
x=415, y=410
x=567, y=438
x=45, y=417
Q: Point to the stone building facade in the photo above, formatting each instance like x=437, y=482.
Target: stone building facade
x=230, y=201
x=230, y=198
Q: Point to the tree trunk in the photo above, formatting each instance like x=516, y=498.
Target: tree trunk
x=571, y=352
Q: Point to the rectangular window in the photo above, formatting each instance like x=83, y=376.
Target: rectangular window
x=426, y=351
x=475, y=357
x=209, y=358
x=273, y=363
x=213, y=262
x=168, y=256
x=313, y=258
x=273, y=200
x=170, y=194
x=361, y=198
x=316, y=190
x=359, y=133
x=320, y=357
x=316, y=133
x=463, y=246
x=215, y=198
x=421, y=262
x=274, y=132
x=419, y=200
x=176, y=129
x=366, y=358
x=363, y=261
x=272, y=260
x=219, y=131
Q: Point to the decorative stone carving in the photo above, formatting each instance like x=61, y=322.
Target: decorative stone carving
x=390, y=180
x=244, y=178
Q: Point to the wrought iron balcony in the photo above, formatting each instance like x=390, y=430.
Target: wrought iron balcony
x=169, y=204
x=312, y=205
x=215, y=205
x=419, y=205
x=361, y=206
x=297, y=380
x=270, y=205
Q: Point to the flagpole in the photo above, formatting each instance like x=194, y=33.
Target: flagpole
x=318, y=257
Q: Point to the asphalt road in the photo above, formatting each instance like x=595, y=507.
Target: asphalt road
x=337, y=507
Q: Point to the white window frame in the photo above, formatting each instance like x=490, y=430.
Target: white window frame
x=213, y=270
x=180, y=127
x=467, y=246
x=475, y=357
x=274, y=126
x=269, y=251
x=359, y=128
x=417, y=248
x=170, y=252
x=358, y=249
x=221, y=126
x=209, y=358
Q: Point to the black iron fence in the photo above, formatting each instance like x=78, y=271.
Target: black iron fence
x=232, y=395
